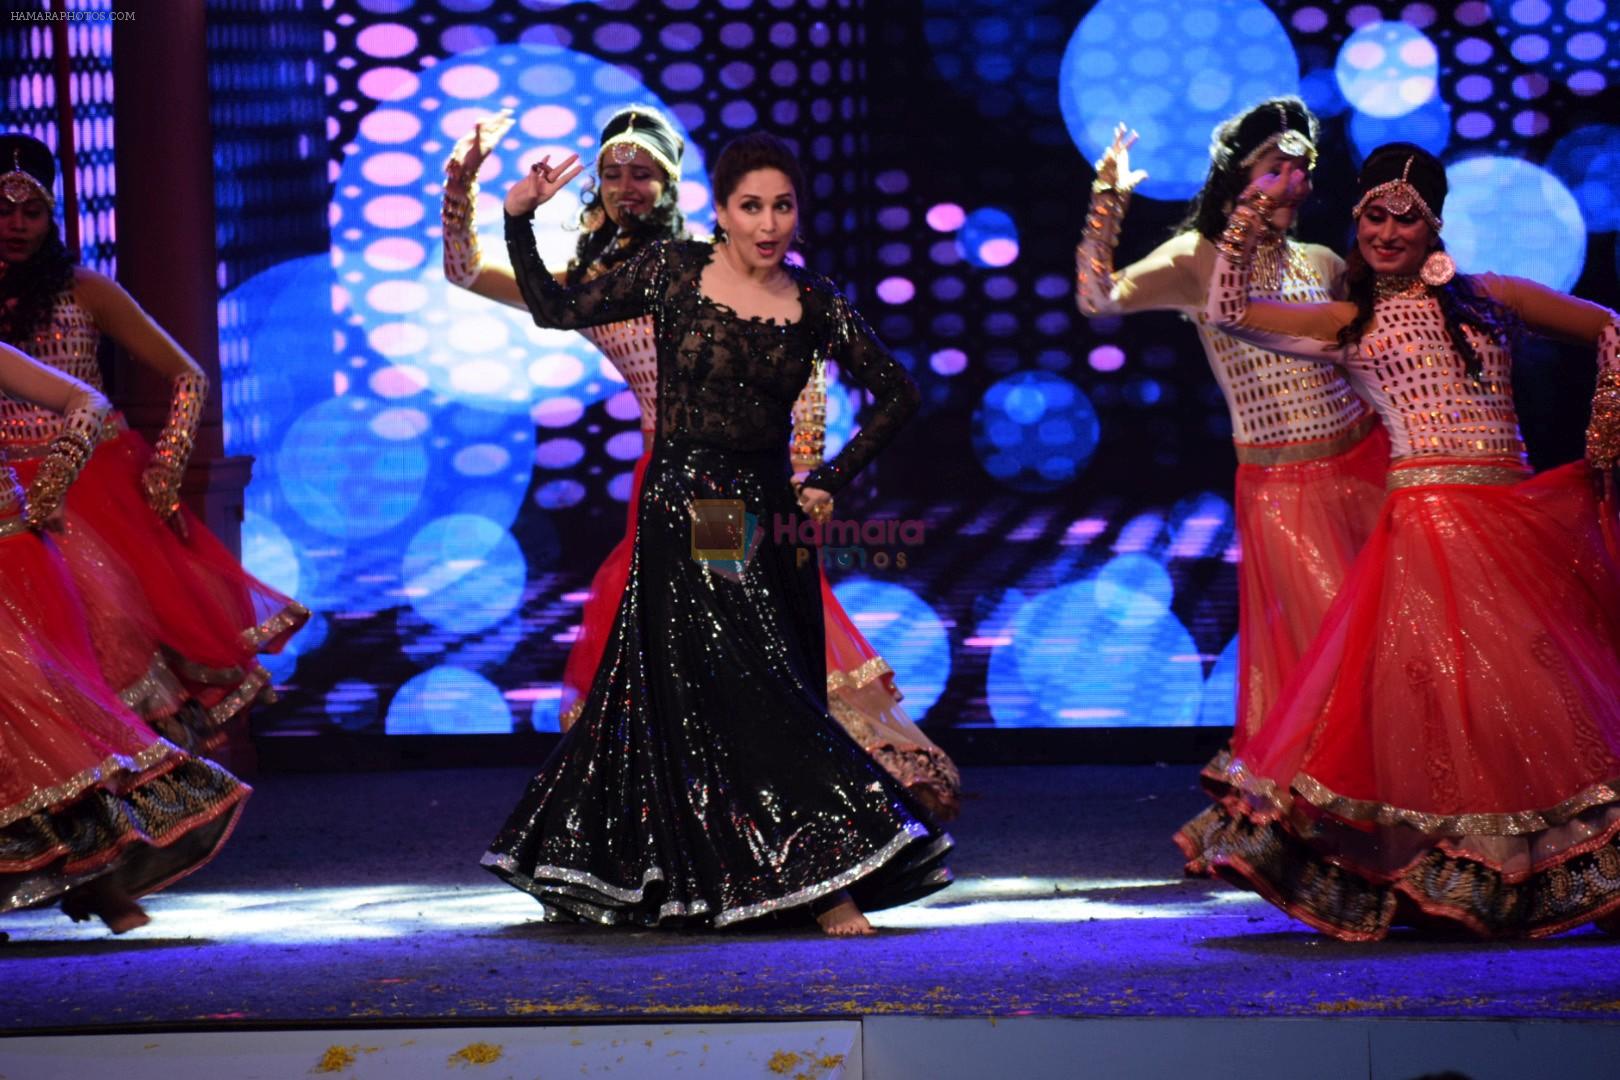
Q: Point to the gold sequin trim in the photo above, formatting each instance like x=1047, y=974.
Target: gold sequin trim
x=256, y=683
x=69, y=789
x=1316, y=450
x=1474, y=475
x=294, y=614
x=1324, y=798
x=859, y=678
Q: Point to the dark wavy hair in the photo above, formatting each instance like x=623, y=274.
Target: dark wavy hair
x=599, y=247
x=1462, y=301
x=1233, y=140
x=28, y=292
x=750, y=153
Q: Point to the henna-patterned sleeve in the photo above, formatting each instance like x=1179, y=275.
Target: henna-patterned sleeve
x=633, y=288
x=859, y=353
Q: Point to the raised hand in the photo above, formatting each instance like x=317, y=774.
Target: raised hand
x=542, y=182
x=1114, y=168
x=1288, y=186
x=472, y=148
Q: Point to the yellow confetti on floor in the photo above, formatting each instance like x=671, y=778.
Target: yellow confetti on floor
x=783, y=1062
x=337, y=1059
x=478, y=1053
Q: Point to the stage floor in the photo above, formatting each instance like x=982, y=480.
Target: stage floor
x=358, y=898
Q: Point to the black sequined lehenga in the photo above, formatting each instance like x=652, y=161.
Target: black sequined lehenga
x=704, y=782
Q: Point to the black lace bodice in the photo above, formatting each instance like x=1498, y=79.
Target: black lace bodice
x=725, y=380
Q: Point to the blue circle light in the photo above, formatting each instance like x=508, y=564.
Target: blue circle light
x=345, y=472
x=1428, y=125
x=1550, y=245
x=1172, y=70
x=1587, y=160
x=1388, y=69
x=448, y=701
x=1035, y=431
x=906, y=632
x=1074, y=662
x=464, y=573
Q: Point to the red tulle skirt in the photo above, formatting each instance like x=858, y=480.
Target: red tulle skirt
x=1449, y=747
x=861, y=693
x=146, y=589
x=86, y=789
x=1301, y=525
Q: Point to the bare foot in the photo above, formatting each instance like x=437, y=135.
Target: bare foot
x=843, y=918
x=107, y=901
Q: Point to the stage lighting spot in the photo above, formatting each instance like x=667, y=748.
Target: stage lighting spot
x=269, y=555
x=557, y=412
x=400, y=425
x=397, y=297
x=988, y=237
x=481, y=459
x=392, y=169
x=1486, y=191
x=559, y=453
x=557, y=494
x=1387, y=69
x=1429, y=126
x=448, y=701
x=625, y=446
x=620, y=487
x=896, y=290
x=1228, y=55
x=617, y=37
x=623, y=406
x=389, y=126
x=1134, y=590
x=386, y=41
x=946, y=217
x=1587, y=160
x=463, y=573
x=556, y=371
x=1035, y=431
x=388, y=83
x=948, y=362
x=1073, y=662
x=906, y=632
x=393, y=254
x=342, y=477
x=1106, y=358
x=470, y=81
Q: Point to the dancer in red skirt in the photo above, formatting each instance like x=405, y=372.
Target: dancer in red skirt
x=95, y=810
x=1311, y=455
x=1448, y=750
x=639, y=169
x=174, y=617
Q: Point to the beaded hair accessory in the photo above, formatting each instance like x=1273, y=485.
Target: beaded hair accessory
x=1291, y=141
x=20, y=186
x=1400, y=196
x=621, y=150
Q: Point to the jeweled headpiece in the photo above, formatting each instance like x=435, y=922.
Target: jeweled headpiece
x=19, y=185
x=645, y=130
x=1289, y=139
x=1403, y=193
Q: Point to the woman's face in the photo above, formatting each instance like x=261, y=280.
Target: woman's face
x=1271, y=162
x=633, y=188
x=22, y=229
x=1393, y=243
x=760, y=217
